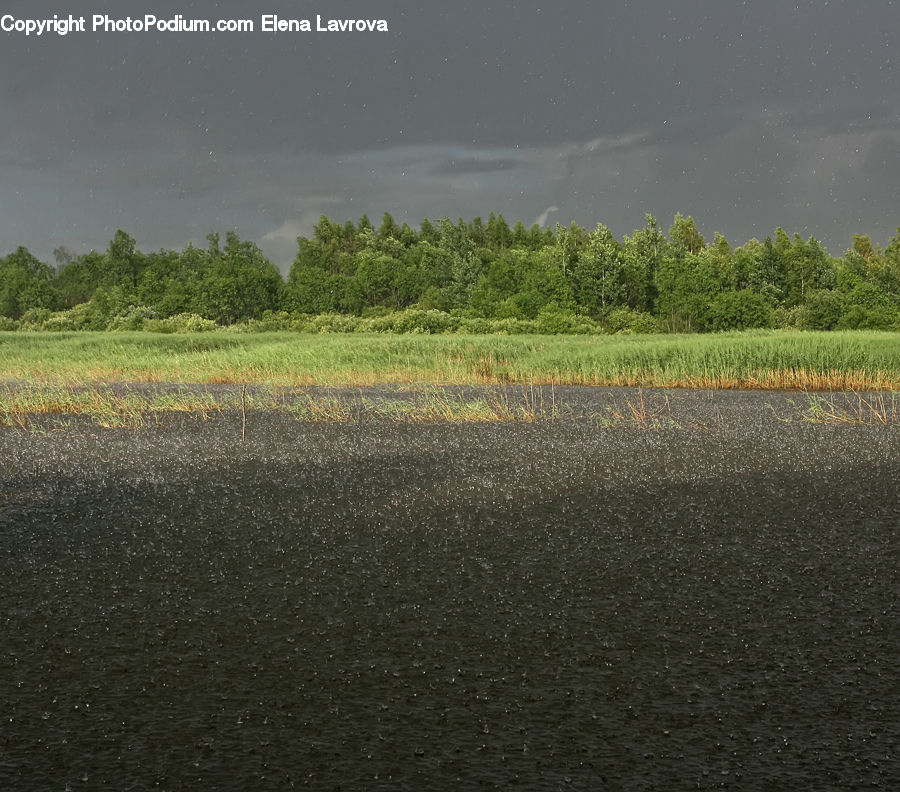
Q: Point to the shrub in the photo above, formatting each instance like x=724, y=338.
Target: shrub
x=181, y=323
x=586, y=326
x=86, y=316
x=271, y=322
x=512, y=326
x=412, y=320
x=788, y=318
x=554, y=320
x=134, y=318
x=861, y=317
x=60, y=322
x=33, y=318
x=419, y=321
x=373, y=311
x=475, y=325
x=331, y=323
x=624, y=321
x=376, y=324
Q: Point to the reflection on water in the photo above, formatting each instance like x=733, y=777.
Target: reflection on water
x=435, y=607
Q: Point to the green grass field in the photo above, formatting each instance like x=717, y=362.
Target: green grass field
x=96, y=374
x=758, y=359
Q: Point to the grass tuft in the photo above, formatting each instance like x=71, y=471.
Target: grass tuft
x=853, y=408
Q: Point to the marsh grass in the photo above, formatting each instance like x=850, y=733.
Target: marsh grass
x=70, y=374
x=128, y=408
x=639, y=412
x=136, y=407
x=853, y=408
x=107, y=407
x=782, y=360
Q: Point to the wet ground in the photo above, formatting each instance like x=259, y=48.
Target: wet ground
x=705, y=601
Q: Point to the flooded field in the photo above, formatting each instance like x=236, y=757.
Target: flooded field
x=703, y=599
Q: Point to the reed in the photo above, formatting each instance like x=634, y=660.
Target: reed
x=127, y=408
x=858, y=360
x=136, y=407
x=106, y=407
x=853, y=408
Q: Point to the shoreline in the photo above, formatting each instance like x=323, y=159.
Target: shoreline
x=42, y=406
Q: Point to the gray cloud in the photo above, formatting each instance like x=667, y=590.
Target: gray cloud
x=474, y=165
x=542, y=218
x=745, y=116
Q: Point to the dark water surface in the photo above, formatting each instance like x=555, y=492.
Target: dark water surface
x=384, y=606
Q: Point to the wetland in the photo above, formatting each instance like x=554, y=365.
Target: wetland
x=602, y=589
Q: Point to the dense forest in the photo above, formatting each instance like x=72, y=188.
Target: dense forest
x=467, y=276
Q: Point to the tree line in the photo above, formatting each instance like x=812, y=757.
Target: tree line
x=568, y=277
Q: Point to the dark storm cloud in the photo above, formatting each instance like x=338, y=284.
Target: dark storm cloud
x=746, y=115
x=475, y=165
x=882, y=160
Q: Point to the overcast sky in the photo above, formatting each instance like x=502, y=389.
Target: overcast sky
x=746, y=115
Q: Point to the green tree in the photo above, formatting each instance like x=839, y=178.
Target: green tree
x=808, y=269
x=63, y=257
x=389, y=228
x=643, y=252
x=687, y=286
x=761, y=269
x=685, y=236
x=311, y=290
x=123, y=263
x=388, y=281
x=497, y=235
x=519, y=285
x=432, y=264
x=502, y=279
x=168, y=279
x=466, y=271
x=474, y=230
x=822, y=310
x=568, y=243
x=739, y=310
x=238, y=284
x=25, y=283
x=79, y=280
x=598, y=277
x=408, y=236
x=520, y=236
x=863, y=258
x=887, y=271
x=537, y=238
x=456, y=237
x=365, y=225
x=428, y=233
